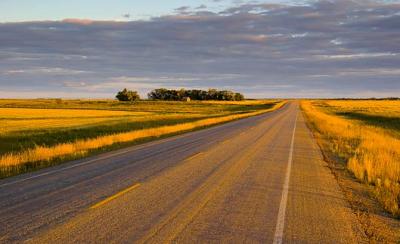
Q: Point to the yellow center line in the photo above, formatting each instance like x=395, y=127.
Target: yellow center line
x=194, y=156
x=225, y=141
x=115, y=196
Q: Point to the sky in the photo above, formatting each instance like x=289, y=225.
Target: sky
x=38, y=10
x=264, y=49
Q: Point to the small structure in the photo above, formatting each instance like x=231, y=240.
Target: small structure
x=186, y=99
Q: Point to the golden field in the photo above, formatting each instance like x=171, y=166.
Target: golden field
x=42, y=119
x=364, y=134
x=34, y=137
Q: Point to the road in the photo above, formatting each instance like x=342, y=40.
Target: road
x=256, y=180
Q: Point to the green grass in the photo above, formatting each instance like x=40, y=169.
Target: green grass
x=28, y=124
x=21, y=140
x=139, y=106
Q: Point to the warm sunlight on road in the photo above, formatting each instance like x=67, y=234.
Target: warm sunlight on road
x=259, y=179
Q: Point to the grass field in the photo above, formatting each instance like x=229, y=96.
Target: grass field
x=366, y=136
x=43, y=132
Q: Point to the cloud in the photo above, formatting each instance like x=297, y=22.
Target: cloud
x=203, y=6
x=75, y=84
x=182, y=10
x=370, y=72
x=79, y=21
x=358, y=55
x=318, y=48
x=44, y=71
x=299, y=35
x=336, y=42
x=246, y=37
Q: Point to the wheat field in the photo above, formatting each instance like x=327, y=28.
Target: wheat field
x=33, y=137
x=365, y=136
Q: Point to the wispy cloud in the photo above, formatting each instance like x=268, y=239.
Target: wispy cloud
x=358, y=55
x=44, y=71
x=79, y=21
x=314, y=48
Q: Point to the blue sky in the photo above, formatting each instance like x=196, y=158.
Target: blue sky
x=28, y=10
x=325, y=48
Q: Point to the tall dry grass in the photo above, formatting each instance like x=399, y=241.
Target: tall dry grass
x=387, y=108
x=372, y=154
x=11, y=163
x=22, y=124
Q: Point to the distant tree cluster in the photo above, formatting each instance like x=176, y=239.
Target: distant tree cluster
x=127, y=95
x=182, y=94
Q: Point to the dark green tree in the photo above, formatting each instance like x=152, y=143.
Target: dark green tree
x=194, y=94
x=239, y=96
x=127, y=95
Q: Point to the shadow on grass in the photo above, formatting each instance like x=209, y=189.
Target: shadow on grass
x=23, y=140
x=34, y=166
x=390, y=123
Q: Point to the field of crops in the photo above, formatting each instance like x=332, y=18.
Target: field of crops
x=364, y=134
x=42, y=132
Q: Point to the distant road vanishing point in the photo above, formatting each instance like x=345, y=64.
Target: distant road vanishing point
x=256, y=180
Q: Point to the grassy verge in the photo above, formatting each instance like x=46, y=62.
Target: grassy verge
x=369, y=151
x=55, y=145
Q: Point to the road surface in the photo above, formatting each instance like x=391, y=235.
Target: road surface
x=256, y=180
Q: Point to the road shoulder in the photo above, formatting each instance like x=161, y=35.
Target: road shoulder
x=317, y=209
x=377, y=225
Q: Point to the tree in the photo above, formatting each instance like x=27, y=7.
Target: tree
x=194, y=94
x=239, y=97
x=127, y=95
x=158, y=94
x=212, y=94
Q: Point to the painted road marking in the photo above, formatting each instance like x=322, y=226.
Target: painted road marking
x=226, y=141
x=115, y=196
x=280, y=224
x=194, y=156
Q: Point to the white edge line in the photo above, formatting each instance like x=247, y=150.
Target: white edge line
x=280, y=223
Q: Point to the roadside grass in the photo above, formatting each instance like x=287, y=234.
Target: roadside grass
x=377, y=113
x=138, y=106
x=391, y=124
x=17, y=141
x=32, y=138
x=363, y=135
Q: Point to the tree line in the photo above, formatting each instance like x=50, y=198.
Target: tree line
x=182, y=95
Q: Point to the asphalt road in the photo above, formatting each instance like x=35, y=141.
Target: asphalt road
x=256, y=180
